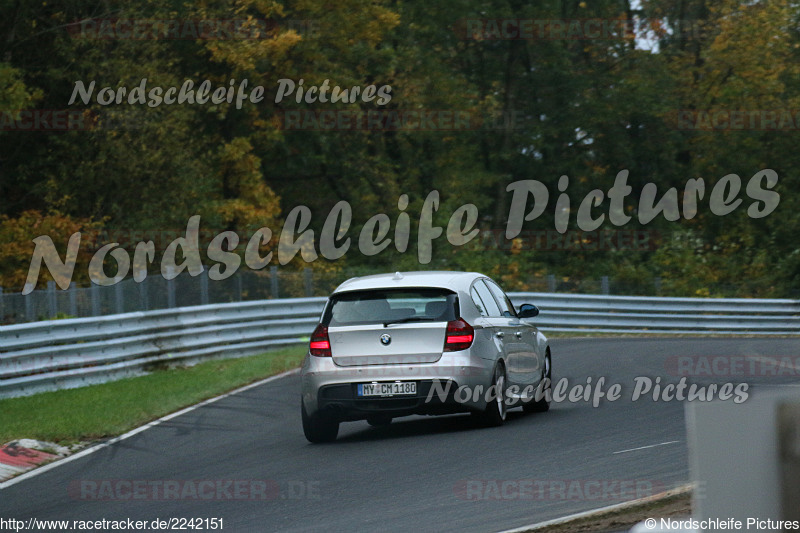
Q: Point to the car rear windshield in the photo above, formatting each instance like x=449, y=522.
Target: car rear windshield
x=391, y=306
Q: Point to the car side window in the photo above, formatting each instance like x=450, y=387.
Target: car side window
x=506, y=306
x=488, y=300
x=476, y=299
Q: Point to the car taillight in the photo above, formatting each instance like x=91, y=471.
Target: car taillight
x=320, y=346
x=459, y=336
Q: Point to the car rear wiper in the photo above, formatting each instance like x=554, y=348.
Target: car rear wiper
x=409, y=319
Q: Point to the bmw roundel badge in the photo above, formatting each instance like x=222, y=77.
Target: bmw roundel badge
x=386, y=339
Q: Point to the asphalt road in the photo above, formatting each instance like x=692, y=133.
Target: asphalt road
x=420, y=473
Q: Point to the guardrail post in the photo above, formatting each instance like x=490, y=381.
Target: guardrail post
x=29, y=307
x=604, y=288
x=2, y=307
x=273, y=278
x=551, y=283
x=51, y=299
x=73, y=299
x=308, y=282
x=95, y=292
x=789, y=457
x=657, y=286
x=118, y=298
x=144, y=303
x=170, y=288
x=239, y=287
x=204, y=288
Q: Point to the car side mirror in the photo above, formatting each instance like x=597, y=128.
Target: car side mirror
x=528, y=311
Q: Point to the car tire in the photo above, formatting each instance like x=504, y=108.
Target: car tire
x=318, y=428
x=543, y=404
x=379, y=420
x=496, y=409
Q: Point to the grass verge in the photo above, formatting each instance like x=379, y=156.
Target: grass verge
x=99, y=411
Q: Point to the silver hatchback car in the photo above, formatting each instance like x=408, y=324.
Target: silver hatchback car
x=393, y=345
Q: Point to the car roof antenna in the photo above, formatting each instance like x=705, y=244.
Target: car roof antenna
x=397, y=276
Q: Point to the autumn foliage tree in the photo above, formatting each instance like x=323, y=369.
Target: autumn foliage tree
x=543, y=107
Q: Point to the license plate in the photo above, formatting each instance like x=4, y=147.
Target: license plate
x=387, y=389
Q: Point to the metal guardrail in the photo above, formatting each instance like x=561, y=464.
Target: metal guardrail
x=644, y=314
x=58, y=354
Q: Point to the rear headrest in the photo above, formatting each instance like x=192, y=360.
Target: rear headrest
x=374, y=308
x=435, y=309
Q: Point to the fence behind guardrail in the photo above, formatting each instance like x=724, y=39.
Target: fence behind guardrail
x=154, y=292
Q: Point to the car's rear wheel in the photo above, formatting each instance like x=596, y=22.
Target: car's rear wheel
x=543, y=391
x=496, y=409
x=379, y=420
x=317, y=427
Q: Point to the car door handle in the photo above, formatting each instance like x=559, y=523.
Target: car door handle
x=519, y=334
x=499, y=334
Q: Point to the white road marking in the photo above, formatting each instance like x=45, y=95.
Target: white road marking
x=92, y=449
x=645, y=447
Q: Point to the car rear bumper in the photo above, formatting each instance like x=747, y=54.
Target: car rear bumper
x=332, y=389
